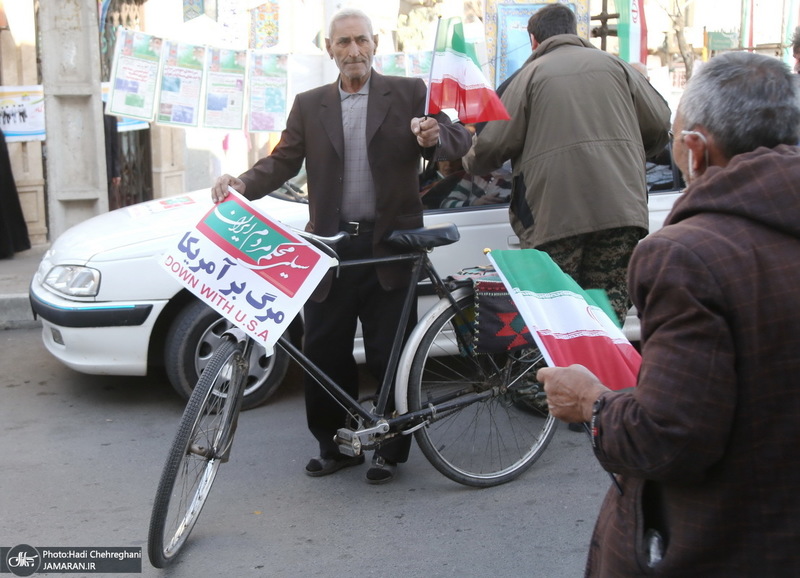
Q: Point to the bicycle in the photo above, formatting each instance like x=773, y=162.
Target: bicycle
x=479, y=419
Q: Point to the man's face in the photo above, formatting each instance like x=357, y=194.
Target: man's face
x=796, y=55
x=352, y=47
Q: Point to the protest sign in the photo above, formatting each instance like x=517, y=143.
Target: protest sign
x=248, y=267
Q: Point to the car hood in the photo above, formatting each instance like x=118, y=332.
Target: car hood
x=139, y=230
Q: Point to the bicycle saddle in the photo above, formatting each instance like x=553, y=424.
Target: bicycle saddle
x=424, y=237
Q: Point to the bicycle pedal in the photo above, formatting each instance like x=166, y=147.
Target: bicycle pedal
x=348, y=442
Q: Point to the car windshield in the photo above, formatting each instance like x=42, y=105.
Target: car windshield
x=439, y=192
x=445, y=187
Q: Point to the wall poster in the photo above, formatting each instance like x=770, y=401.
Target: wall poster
x=507, y=43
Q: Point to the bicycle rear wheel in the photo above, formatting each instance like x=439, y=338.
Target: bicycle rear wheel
x=504, y=431
x=202, y=443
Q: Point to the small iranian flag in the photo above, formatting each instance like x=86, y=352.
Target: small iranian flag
x=570, y=325
x=456, y=79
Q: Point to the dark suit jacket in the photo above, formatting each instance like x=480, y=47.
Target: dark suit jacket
x=314, y=133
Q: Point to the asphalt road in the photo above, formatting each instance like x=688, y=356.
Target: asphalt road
x=81, y=456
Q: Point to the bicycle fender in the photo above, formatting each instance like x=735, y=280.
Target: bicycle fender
x=412, y=344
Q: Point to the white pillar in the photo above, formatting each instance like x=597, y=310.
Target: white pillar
x=76, y=172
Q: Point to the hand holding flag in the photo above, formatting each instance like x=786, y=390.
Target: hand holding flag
x=456, y=80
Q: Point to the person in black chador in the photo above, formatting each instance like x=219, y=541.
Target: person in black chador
x=13, y=229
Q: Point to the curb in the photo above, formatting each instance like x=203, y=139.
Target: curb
x=15, y=312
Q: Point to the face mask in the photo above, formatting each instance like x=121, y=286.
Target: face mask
x=702, y=137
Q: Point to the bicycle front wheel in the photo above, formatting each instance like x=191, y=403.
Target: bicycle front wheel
x=507, y=426
x=202, y=443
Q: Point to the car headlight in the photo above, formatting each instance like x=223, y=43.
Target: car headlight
x=74, y=280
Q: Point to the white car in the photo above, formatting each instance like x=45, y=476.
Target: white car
x=107, y=306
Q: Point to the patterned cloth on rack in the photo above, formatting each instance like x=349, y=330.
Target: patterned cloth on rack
x=499, y=326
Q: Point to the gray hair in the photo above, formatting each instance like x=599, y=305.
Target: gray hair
x=349, y=13
x=745, y=101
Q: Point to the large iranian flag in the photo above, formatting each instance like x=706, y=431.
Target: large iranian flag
x=632, y=31
x=570, y=325
x=456, y=79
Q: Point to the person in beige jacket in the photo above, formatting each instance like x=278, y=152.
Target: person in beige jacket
x=582, y=123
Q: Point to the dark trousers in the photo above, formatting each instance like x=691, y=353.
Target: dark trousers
x=330, y=328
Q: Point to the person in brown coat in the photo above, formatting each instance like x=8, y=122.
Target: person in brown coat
x=705, y=447
x=361, y=138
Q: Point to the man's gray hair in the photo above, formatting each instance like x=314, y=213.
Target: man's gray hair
x=745, y=101
x=349, y=13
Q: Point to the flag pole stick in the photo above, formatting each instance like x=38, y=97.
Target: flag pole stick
x=430, y=72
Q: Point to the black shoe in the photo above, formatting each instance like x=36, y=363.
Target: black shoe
x=575, y=427
x=317, y=467
x=381, y=471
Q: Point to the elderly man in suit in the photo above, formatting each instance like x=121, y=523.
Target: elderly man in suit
x=361, y=138
x=705, y=447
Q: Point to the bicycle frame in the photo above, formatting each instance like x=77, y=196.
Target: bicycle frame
x=354, y=442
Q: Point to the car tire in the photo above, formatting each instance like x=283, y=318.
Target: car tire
x=193, y=337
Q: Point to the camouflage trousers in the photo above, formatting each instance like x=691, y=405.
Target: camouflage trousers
x=599, y=260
